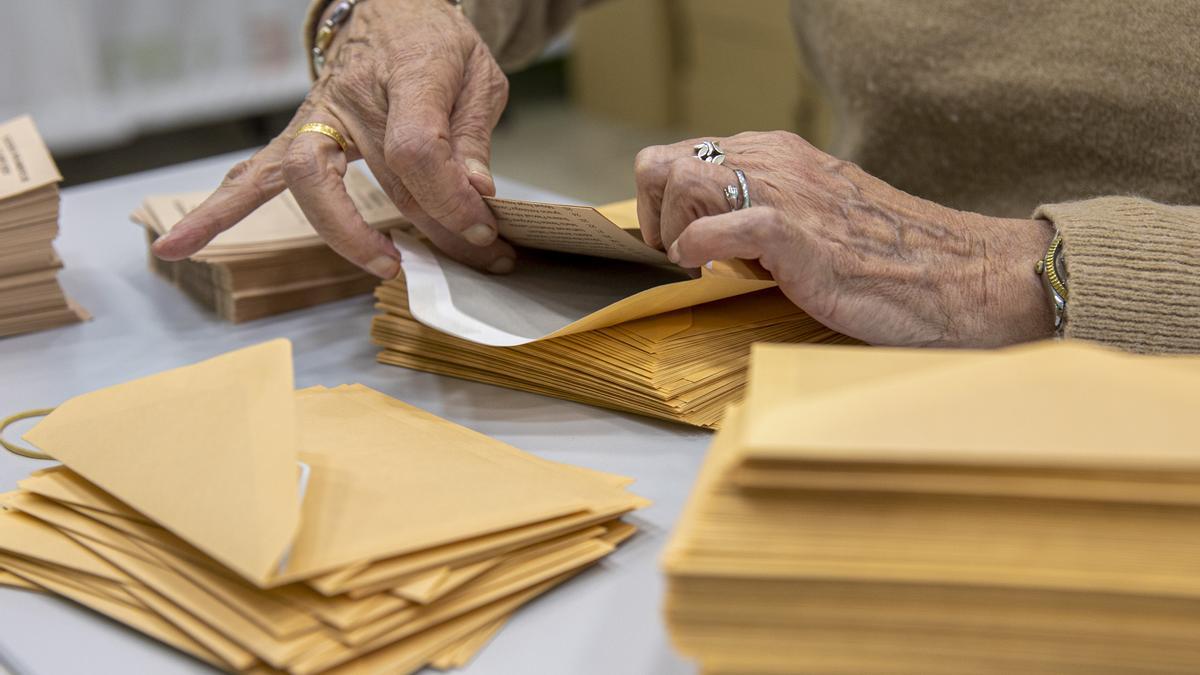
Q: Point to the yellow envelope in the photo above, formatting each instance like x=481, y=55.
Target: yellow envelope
x=463, y=652
x=26, y=536
x=67, y=487
x=721, y=279
x=208, y=451
x=140, y=619
x=602, y=232
x=1123, y=412
x=10, y=580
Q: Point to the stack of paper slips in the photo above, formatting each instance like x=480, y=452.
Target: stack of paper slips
x=264, y=529
x=1029, y=510
x=271, y=262
x=30, y=297
x=590, y=314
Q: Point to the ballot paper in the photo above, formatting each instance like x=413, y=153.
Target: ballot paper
x=213, y=506
x=581, y=271
x=880, y=510
x=279, y=224
x=30, y=296
x=273, y=261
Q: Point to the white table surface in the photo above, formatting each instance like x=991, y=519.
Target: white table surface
x=607, y=620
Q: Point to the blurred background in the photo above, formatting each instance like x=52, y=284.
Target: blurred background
x=119, y=86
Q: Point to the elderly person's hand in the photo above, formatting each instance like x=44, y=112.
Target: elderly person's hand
x=860, y=256
x=416, y=93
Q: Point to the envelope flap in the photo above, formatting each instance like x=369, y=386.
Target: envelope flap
x=208, y=451
x=1052, y=404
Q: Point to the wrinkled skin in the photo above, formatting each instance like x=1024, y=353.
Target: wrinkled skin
x=858, y=255
x=416, y=92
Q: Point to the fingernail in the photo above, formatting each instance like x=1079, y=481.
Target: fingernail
x=502, y=266
x=480, y=235
x=476, y=166
x=384, y=267
x=673, y=253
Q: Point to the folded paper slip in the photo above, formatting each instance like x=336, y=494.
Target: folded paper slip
x=868, y=510
x=30, y=296
x=273, y=261
x=215, y=496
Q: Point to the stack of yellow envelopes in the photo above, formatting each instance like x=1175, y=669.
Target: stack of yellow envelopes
x=1028, y=510
x=263, y=529
x=273, y=261
x=686, y=365
x=30, y=297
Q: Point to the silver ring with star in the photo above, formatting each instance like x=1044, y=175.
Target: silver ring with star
x=709, y=151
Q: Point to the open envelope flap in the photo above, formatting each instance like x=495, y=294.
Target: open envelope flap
x=208, y=451
x=1052, y=404
x=549, y=297
x=711, y=286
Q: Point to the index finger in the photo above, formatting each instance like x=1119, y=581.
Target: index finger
x=248, y=185
x=650, y=169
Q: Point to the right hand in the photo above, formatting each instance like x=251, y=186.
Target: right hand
x=416, y=93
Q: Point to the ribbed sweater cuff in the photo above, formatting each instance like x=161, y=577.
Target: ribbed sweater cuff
x=1134, y=269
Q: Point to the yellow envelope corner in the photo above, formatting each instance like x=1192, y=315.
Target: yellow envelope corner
x=208, y=451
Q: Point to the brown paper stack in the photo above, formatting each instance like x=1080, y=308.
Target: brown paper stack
x=684, y=366
x=1031, y=510
x=30, y=297
x=676, y=351
x=273, y=261
x=262, y=529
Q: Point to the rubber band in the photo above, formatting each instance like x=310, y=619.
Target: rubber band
x=16, y=449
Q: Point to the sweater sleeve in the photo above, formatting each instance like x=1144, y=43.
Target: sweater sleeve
x=516, y=31
x=1134, y=270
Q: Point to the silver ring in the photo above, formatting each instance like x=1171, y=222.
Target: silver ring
x=732, y=192
x=745, y=189
x=709, y=151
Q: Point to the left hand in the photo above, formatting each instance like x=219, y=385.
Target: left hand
x=858, y=255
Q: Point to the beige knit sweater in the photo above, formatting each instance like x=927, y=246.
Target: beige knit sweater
x=1084, y=112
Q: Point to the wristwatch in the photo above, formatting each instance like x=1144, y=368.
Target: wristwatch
x=1053, y=270
x=327, y=28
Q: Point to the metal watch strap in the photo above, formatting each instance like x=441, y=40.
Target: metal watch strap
x=1052, y=268
x=329, y=27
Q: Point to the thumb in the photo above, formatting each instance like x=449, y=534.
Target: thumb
x=746, y=234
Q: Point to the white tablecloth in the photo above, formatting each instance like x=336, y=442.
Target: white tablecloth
x=606, y=621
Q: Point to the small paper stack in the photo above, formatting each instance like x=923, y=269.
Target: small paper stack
x=590, y=314
x=262, y=529
x=1032, y=510
x=271, y=262
x=30, y=297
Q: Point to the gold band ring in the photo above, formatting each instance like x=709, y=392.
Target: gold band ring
x=324, y=130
